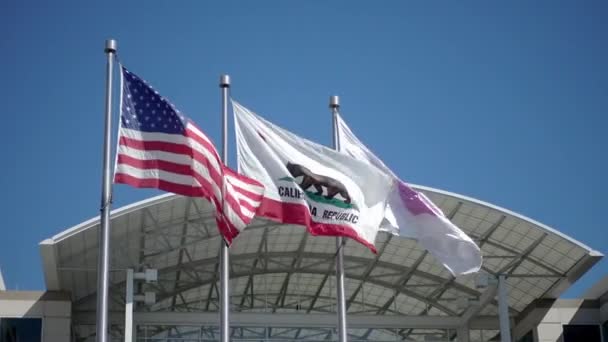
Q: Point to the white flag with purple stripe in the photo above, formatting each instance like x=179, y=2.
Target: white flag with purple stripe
x=411, y=214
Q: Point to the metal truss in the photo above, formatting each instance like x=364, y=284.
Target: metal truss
x=187, y=283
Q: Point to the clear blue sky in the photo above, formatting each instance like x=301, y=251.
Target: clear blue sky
x=506, y=102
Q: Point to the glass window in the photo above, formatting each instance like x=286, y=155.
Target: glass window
x=20, y=329
x=529, y=337
x=577, y=333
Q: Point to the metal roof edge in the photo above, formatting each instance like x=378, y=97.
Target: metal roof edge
x=165, y=197
x=512, y=213
x=113, y=214
x=555, y=291
x=48, y=254
x=574, y=274
x=2, y=285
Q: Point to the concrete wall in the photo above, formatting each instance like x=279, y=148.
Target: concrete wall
x=54, y=308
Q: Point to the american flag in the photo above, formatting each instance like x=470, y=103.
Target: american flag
x=159, y=147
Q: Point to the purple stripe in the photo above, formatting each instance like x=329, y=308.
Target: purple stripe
x=413, y=201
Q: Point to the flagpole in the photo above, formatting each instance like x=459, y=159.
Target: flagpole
x=224, y=256
x=103, y=261
x=334, y=105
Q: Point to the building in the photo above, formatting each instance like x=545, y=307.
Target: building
x=584, y=319
x=282, y=284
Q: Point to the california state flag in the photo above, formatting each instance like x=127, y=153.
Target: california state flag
x=309, y=184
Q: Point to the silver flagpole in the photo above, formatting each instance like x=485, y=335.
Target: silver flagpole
x=334, y=105
x=224, y=256
x=103, y=260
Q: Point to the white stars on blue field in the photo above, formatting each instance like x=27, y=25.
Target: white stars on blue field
x=145, y=110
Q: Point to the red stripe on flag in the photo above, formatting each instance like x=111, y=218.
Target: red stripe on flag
x=247, y=206
x=233, y=203
x=228, y=231
x=206, y=186
x=151, y=164
x=186, y=156
x=294, y=213
x=242, y=178
x=215, y=176
x=247, y=193
x=206, y=189
x=192, y=135
x=228, y=198
x=179, y=189
x=150, y=146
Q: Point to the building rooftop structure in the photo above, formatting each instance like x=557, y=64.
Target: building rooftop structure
x=598, y=290
x=282, y=283
x=2, y=285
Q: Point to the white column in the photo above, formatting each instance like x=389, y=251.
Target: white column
x=129, y=307
x=503, y=310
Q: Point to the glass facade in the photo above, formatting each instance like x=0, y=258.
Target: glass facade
x=187, y=333
x=529, y=337
x=580, y=332
x=20, y=329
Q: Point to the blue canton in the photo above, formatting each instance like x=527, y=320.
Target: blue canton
x=143, y=109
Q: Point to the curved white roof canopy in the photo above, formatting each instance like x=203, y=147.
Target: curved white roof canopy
x=281, y=268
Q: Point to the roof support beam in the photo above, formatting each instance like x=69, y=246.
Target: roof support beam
x=294, y=266
x=180, y=257
x=398, y=289
x=402, y=282
x=514, y=252
x=367, y=272
x=201, y=215
x=213, y=285
x=511, y=266
x=320, y=288
x=285, y=268
x=491, y=230
x=255, y=264
x=473, y=310
x=258, y=319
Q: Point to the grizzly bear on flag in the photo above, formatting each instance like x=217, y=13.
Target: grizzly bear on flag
x=309, y=179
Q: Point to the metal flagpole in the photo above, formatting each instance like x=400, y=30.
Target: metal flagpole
x=334, y=105
x=103, y=261
x=224, y=256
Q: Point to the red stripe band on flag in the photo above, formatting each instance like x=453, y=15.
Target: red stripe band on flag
x=242, y=178
x=149, y=146
x=151, y=164
x=179, y=189
x=294, y=213
x=145, y=145
x=203, y=142
x=247, y=193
